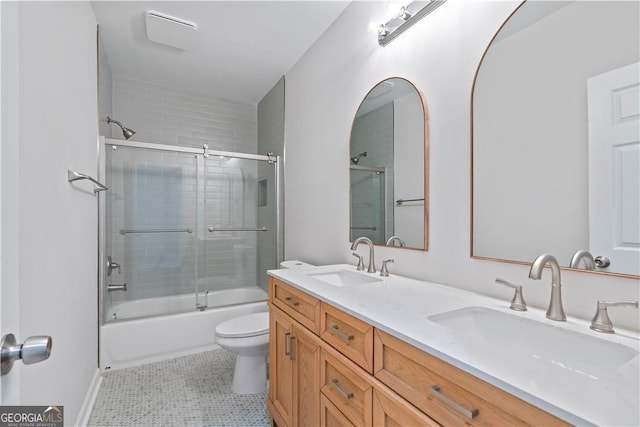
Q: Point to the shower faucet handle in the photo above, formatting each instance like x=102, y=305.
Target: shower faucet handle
x=112, y=265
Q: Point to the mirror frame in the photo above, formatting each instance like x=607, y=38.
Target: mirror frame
x=508, y=261
x=425, y=111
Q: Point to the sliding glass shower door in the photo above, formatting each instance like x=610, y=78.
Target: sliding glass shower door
x=182, y=226
x=239, y=225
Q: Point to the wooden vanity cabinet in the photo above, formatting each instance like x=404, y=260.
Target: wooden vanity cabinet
x=448, y=394
x=294, y=372
x=328, y=368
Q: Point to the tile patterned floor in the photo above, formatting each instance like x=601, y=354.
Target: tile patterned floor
x=189, y=391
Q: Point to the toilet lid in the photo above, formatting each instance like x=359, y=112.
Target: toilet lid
x=249, y=325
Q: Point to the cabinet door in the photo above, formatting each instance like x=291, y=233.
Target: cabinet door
x=306, y=377
x=281, y=367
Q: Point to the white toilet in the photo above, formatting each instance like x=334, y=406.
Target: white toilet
x=248, y=337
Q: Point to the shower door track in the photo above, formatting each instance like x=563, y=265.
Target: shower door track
x=205, y=151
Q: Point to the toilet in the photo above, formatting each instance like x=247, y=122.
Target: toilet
x=248, y=337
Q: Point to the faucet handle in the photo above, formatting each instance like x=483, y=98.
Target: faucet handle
x=360, y=262
x=384, y=271
x=601, y=322
x=517, y=303
x=111, y=265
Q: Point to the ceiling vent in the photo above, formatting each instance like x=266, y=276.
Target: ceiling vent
x=171, y=31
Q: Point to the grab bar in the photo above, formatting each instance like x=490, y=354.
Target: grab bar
x=75, y=176
x=365, y=228
x=186, y=230
x=212, y=229
x=401, y=201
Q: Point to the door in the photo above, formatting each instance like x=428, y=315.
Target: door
x=306, y=377
x=9, y=320
x=614, y=167
x=281, y=365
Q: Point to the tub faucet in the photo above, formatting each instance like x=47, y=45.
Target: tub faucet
x=589, y=262
x=372, y=264
x=555, y=311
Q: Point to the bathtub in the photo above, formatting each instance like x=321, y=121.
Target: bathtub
x=144, y=333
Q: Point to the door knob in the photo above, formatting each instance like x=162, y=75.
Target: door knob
x=33, y=350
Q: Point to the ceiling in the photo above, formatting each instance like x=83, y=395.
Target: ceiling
x=243, y=48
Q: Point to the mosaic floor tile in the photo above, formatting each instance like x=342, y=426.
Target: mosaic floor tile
x=188, y=391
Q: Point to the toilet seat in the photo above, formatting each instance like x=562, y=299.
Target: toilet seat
x=250, y=325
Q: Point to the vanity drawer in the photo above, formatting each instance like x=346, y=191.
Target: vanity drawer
x=301, y=306
x=351, y=336
x=389, y=410
x=330, y=416
x=346, y=386
x=447, y=394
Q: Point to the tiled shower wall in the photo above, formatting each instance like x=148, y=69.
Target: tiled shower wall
x=372, y=133
x=173, y=263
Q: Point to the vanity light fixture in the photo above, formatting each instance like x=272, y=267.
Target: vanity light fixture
x=407, y=16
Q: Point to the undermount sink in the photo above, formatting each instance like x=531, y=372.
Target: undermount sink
x=531, y=341
x=343, y=277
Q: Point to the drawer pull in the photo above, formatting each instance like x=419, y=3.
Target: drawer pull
x=341, y=334
x=435, y=391
x=287, y=340
x=334, y=383
x=291, y=302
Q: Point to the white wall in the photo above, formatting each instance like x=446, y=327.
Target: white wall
x=56, y=129
x=440, y=55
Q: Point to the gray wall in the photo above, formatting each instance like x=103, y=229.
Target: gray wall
x=270, y=140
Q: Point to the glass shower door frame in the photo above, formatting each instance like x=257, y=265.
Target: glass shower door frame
x=204, y=153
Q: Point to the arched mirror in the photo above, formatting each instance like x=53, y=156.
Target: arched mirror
x=388, y=166
x=556, y=137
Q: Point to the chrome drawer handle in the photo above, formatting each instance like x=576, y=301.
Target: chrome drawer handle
x=341, y=334
x=435, y=391
x=334, y=383
x=291, y=302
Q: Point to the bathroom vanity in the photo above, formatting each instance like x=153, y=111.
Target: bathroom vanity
x=349, y=348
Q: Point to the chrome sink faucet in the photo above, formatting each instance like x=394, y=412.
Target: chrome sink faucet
x=555, y=311
x=372, y=264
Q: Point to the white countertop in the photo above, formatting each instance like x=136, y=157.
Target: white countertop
x=401, y=307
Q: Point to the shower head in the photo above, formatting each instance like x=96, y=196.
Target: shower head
x=128, y=133
x=356, y=159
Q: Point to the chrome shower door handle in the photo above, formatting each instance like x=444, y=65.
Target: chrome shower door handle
x=34, y=349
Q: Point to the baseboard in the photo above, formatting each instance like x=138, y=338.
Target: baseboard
x=89, y=400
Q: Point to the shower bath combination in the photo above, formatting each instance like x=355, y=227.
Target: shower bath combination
x=192, y=241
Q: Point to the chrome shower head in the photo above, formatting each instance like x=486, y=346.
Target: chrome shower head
x=128, y=133
x=356, y=159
